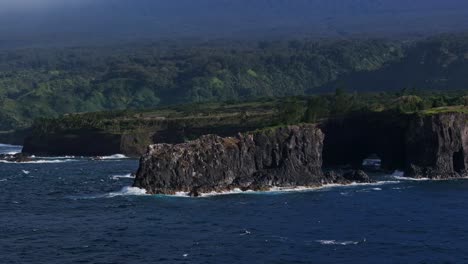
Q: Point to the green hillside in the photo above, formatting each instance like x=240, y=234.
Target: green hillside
x=38, y=83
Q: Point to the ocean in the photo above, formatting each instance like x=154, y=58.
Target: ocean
x=77, y=210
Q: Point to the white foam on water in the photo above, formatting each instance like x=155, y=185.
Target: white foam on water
x=286, y=189
x=114, y=157
x=26, y=172
x=38, y=161
x=335, y=242
x=127, y=191
x=246, y=232
x=179, y=194
x=400, y=175
x=11, y=152
x=2, y=180
x=125, y=176
x=10, y=149
x=410, y=179
x=54, y=158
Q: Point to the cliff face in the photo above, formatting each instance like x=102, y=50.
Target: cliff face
x=94, y=142
x=433, y=146
x=283, y=157
x=437, y=146
x=351, y=139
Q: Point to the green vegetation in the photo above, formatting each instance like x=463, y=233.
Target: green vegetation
x=46, y=83
x=446, y=109
x=262, y=113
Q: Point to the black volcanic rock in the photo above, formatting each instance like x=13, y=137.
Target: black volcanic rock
x=437, y=146
x=280, y=157
x=357, y=176
x=19, y=157
x=429, y=145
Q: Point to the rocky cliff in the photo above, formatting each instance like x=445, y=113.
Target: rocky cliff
x=424, y=145
x=437, y=146
x=277, y=157
x=130, y=132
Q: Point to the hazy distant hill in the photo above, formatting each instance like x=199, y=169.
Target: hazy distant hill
x=92, y=21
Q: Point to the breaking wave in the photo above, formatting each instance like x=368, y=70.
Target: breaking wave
x=114, y=157
x=287, y=189
x=399, y=175
x=125, y=191
x=339, y=243
x=125, y=176
x=10, y=149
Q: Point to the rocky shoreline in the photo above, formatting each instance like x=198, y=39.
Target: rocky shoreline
x=281, y=157
x=424, y=146
x=18, y=157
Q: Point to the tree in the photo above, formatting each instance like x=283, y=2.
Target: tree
x=291, y=111
x=317, y=107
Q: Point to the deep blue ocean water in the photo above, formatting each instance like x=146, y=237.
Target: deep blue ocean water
x=75, y=210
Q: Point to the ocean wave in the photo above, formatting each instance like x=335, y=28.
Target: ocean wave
x=114, y=157
x=339, y=243
x=11, y=152
x=10, y=149
x=287, y=189
x=400, y=175
x=54, y=158
x=125, y=176
x=403, y=178
x=125, y=191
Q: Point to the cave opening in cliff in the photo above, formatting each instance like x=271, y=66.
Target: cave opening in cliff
x=373, y=162
x=459, y=161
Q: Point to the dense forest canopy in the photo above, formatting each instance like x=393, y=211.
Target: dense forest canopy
x=49, y=82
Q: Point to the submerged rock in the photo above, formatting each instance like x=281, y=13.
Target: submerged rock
x=347, y=177
x=357, y=176
x=281, y=157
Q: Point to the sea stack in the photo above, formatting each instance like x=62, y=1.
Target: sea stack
x=277, y=157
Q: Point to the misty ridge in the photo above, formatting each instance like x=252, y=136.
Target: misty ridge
x=76, y=22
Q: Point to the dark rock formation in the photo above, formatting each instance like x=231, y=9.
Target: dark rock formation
x=347, y=177
x=437, y=146
x=19, y=157
x=355, y=137
x=132, y=142
x=357, y=176
x=429, y=145
x=432, y=145
x=284, y=157
x=83, y=142
x=280, y=157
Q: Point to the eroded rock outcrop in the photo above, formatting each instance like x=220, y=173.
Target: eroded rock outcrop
x=279, y=157
x=19, y=157
x=437, y=146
